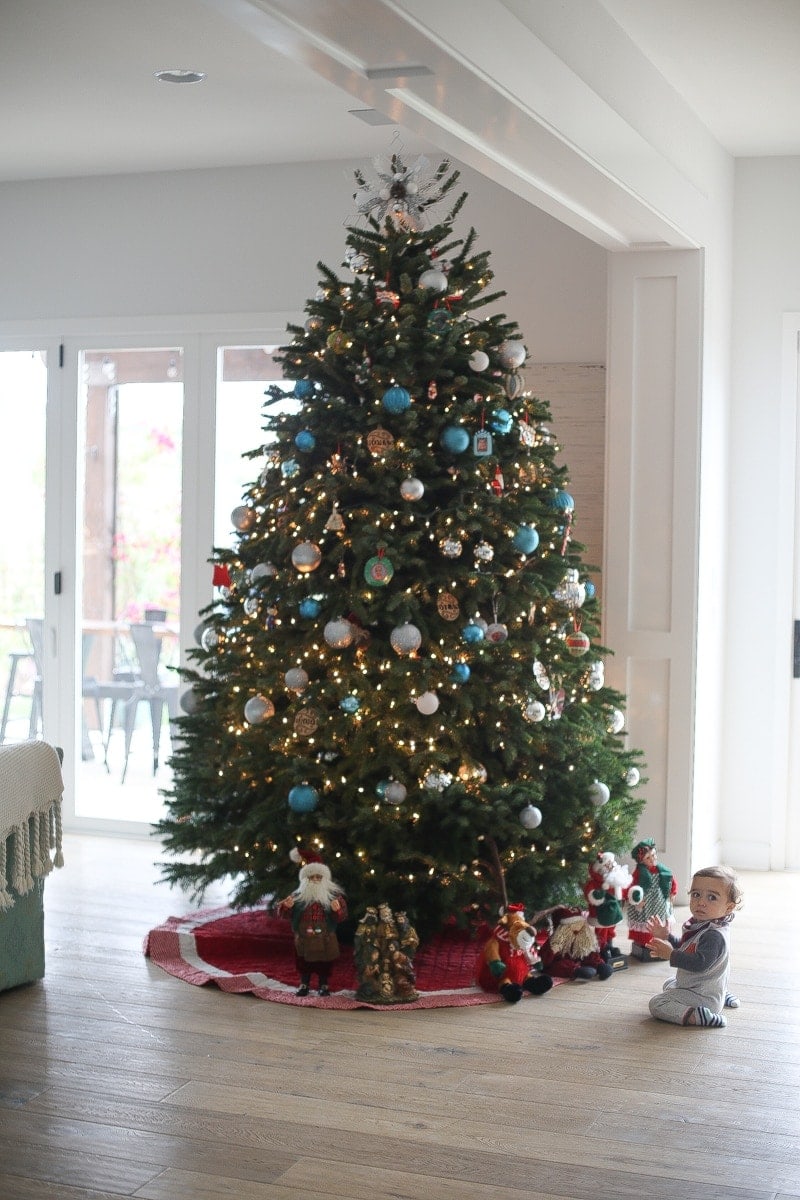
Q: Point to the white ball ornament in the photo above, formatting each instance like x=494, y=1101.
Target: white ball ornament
x=479, y=360
x=412, y=489
x=530, y=817
x=632, y=777
x=616, y=721
x=433, y=280
x=599, y=794
x=427, y=703
x=405, y=639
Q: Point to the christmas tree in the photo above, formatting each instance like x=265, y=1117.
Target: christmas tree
x=402, y=672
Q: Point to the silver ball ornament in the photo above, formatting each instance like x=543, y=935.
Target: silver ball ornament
x=599, y=794
x=405, y=639
x=394, y=792
x=258, y=709
x=306, y=557
x=530, y=817
x=412, y=489
x=296, y=679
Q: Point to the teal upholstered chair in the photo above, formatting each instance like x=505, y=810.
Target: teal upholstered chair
x=30, y=831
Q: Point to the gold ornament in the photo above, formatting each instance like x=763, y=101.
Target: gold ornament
x=447, y=606
x=306, y=722
x=379, y=441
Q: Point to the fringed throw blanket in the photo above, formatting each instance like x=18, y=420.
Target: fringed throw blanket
x=30, y=814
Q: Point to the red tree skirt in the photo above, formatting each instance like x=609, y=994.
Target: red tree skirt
x=250, y=951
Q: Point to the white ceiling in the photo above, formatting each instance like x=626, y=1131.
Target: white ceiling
x=735, y=62
x=541, y=96
x=78, y=94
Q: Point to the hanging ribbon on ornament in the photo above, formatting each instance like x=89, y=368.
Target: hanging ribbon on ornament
x=482, y=441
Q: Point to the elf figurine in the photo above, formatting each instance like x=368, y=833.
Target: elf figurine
x=659, y=888
x=315, y=908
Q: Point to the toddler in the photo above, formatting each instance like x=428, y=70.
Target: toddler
x=698, y=993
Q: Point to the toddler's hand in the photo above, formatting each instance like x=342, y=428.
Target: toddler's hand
x=657, y=927
x=659, y=948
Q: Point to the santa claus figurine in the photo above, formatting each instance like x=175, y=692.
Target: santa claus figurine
x=572, y=950
x=315, y=908
x=509, y=961
x=609, y=883
x=657, y=887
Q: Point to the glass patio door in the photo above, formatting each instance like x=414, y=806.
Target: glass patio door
x=130, y=413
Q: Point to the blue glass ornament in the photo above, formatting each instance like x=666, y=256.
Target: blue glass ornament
x=472, y=633
x=501, y=420
x=303, y=798
x=526, y=539
x=591, y=591
x=396, y=399
x=309, y=607
x=350, y=704
x=460, y=672
x=305, y=440
x=289, y=468
x=562, y=502
x=381, y=786
x=455, y=439
x=303, y=388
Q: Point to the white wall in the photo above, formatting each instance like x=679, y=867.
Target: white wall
x=760, y=516
x=248, y=240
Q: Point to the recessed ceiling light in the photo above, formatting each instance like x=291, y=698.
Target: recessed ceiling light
x=180, y=76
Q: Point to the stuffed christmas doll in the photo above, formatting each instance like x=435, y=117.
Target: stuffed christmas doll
x=608, y=885
x=658, y=888
x=572, y=950
x=509, y=962
x=315, y=909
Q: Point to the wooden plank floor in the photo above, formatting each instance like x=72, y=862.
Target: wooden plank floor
x=118, y=1080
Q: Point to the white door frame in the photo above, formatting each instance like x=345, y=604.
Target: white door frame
x=785, y=832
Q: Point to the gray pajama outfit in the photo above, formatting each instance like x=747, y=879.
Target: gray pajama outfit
x=702, y=961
